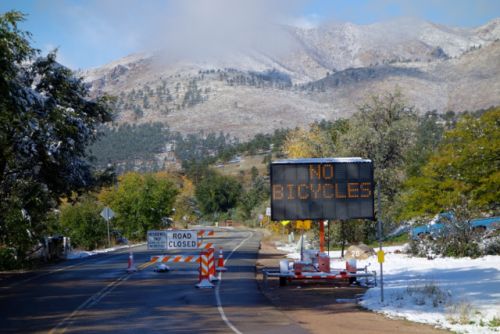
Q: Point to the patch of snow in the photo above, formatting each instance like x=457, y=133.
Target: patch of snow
x=460, y=294
x=78, y=254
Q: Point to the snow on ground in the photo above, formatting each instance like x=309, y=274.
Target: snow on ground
x=460, y=294
x=77, y=254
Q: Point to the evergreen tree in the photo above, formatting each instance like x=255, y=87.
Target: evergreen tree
x=46, y=123
x=217, y=193
x=138, y=112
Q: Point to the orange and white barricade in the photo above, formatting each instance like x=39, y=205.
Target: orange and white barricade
x=176, y=258
x=205, y=233
x=211, y=258
x=162, y=259
x=204, y=274
x=205, y=245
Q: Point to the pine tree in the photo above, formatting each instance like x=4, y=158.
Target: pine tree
x=46, y=123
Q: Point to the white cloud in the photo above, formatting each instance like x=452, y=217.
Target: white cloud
x=218, y=27
x=190, y=28
x=306, y=22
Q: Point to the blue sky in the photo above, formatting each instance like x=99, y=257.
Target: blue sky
x=90, y=33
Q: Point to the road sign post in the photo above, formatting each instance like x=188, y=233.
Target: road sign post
x=321, y=236
x=107, y=214
x=380, y=252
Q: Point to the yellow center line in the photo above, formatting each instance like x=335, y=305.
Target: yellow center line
x=145, y=265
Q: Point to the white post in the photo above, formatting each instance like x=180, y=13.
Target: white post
x=379, y=218
x=109, y=238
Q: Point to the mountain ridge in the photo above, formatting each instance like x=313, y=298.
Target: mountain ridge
x=331, y=69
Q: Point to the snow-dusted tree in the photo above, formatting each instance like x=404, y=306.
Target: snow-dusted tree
x=46, y=123
x=384, y=130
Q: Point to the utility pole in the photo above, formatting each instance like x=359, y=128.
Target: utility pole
x=328, y=245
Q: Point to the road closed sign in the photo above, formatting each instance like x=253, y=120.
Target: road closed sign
x=182, y=239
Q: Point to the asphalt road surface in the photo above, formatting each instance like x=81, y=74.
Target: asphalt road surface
x=96, y=295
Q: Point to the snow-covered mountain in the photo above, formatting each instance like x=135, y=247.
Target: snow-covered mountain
x=323, y=74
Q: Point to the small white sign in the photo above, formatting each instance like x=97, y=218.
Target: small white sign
x=107, y=213
x=157, y=240
x=268, y=211
x=182, y=239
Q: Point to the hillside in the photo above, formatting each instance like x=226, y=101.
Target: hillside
x=324, y=74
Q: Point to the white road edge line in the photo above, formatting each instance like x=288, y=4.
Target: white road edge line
x=50, y=272
x=217, y=288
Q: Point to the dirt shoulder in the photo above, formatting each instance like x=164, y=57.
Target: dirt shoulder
x=325, y=308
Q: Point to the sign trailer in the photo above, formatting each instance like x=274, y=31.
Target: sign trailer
x=321, y=189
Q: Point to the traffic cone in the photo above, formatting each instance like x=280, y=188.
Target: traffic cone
x=131, y=265
x=204, y=274
x=220, y=261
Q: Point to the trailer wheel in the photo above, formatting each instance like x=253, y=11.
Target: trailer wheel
x=282, y=281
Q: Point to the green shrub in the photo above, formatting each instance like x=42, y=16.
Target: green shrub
x=492, y=247
x=422, y=248
x=83, y=223
x=8, y=259
x=457, y=248
x=428, y=291
x=495, y=322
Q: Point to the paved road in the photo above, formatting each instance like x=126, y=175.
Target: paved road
x=95, y=295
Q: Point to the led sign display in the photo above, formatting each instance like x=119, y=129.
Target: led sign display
x=334, y=188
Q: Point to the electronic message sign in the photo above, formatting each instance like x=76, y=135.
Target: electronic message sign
x=333, y=188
